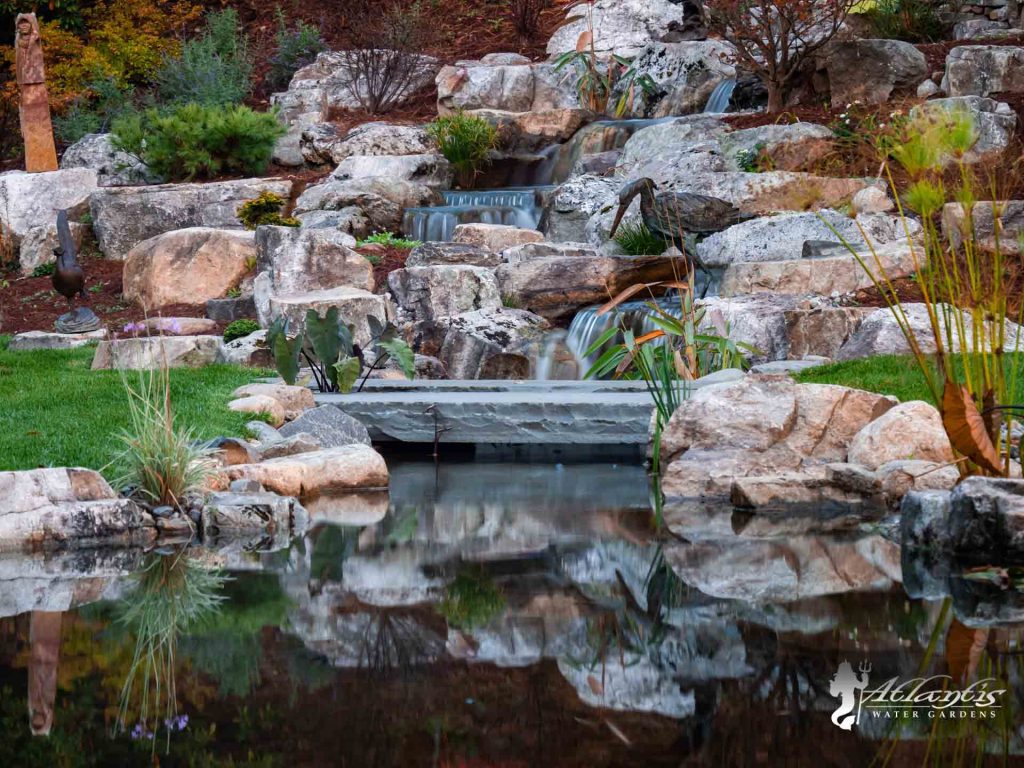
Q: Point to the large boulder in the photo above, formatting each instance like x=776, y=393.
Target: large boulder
x=153, y=352
x=782, y=237
x=354, y=305
x=323, y=144
x=494, y=237
x=28, y=210
x=995, y=123
x=873, y=71
x=819, y=276
x=328, y=426
x=122, y=217
x=293, y=260
x=986, y=520
x=574, y=202
x=504, y=82
x=439, y=292
x=496, y=343
x=346, y=468
x=622, y=27
x=434, y=254
x=790, y=147
x=65, y=508
x=187, y=266
x=684, y=74
x=983, y=70
x=376, y=202
x=431, y=169
x=760, y=425
x=911, y=430
x=989, y=219
x=820, y=330
x=113, y=167
x=555, y=280
x=758, y=320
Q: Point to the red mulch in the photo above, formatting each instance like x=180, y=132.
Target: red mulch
x=31, y=304
x=390, y=260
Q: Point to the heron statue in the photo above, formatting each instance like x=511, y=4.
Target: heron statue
x=673, y=215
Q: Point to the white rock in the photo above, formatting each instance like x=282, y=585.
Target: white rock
x=623, y=27
x=113, y=167
x=911, y=430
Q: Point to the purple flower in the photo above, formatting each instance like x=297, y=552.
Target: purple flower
x=134, y=327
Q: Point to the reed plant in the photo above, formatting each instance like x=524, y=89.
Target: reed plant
x=964, y=282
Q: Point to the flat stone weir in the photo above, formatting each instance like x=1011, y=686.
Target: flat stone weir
x=509, y=412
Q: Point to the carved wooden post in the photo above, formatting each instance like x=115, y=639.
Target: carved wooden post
x=36, y=127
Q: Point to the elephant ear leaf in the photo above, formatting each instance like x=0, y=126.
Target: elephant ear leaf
x=401, y=351
x=345, y=373
x=322, y=333
x=285, y=350
x=965, y=427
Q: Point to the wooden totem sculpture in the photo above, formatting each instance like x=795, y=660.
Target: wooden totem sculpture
x=36, y=127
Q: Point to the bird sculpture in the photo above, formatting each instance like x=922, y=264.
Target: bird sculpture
x=68, y=276
x=673, y=215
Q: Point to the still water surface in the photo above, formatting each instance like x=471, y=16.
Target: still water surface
x=489, y=614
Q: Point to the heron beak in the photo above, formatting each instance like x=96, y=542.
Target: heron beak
x=618, y=219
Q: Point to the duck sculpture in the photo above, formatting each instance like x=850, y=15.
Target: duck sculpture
x=68, y=276
x=673, y=215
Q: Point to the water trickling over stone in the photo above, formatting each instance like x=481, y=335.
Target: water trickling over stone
x=719, y=100
x=520, y=207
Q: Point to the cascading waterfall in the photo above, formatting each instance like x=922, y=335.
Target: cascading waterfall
x=520, y=207
x=719, y=100
x=587, y=326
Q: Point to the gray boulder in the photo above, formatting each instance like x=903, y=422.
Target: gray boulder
x=873, y=71
x=623, y=27
x=497, y=82
x=994, y=121
x=378, y=202
x=986, y=519
x=982, y=70
x=122, y=217
x=429, y=169
x=328, y=426
x=686, y=73
x=323, y=142
x=494, y=343
x=434, y=254
x=113, y=167
x=438, y=292
x=297, y=259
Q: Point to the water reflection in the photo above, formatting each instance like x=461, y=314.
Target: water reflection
x=497, y=614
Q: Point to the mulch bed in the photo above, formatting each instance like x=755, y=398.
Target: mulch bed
x=31, y=304
x=390, y=260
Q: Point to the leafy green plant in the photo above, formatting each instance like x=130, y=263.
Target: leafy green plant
x=465, y=141
x=471, y=600
x=265, y=209
x=327, y=346
x=755, y=159
x=93, y=111
x=233, y=292
x=213, y=69
x=295, y=48
x=636, y=239
x=194, y=141
x=44, y=270
x=915, y=21
x=161, y=458
x=239, y=329
x=389, y=240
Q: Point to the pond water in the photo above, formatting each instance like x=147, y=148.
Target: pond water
x=488, y=614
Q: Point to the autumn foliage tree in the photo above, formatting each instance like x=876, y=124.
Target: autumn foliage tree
x=773, y=38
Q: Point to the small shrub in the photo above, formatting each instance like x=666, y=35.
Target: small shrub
x=265, y=209
x=296, y=47
x=465, y=141
x=389, y=240
x=753, y=160
x=214, y=68
x=526, y=17
x=193, y=141
x=636, y=239
x=914, y=21
x=240, y=329
x=44, y=270
x=471, y=600
x=94, y=110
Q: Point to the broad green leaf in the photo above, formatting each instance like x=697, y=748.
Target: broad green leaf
x=403, y=354
x=346, y=371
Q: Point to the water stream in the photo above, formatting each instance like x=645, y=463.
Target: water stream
x=486, y=614
x=517, y=206
x=719, y=100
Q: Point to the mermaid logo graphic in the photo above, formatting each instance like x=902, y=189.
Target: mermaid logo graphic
x=849, y=689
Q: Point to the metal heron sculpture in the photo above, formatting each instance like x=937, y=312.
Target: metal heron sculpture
x=68, y=276
x=673, y=215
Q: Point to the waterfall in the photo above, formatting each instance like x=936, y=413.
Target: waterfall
x=587, y=326
x=520, y=207
x=719, y=99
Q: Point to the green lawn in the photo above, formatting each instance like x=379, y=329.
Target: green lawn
x=55, y=411
x=894, y=375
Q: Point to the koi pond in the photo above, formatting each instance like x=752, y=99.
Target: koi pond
x=509, y=614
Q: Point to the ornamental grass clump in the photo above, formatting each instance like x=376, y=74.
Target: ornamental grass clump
x=161, y=460
x=465, y=141
x=964, y=282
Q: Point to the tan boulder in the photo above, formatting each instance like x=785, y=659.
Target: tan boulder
x=293, y=399
x=179, y=326
x=157, y=351
x=348, y=467
x=260, y=404
x=187, y=266
x=909, y=431
x=494, y=237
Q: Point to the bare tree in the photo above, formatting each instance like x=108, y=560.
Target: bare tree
x=773, y=38
x=384, y=61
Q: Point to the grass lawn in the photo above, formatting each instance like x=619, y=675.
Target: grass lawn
x=894, y=375
x=55, y=411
